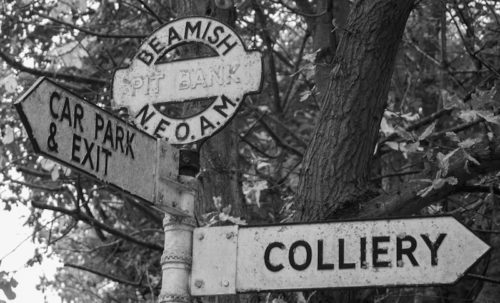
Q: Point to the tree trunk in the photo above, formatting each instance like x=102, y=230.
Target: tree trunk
x=337, y=162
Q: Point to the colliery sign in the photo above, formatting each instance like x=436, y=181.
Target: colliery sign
x=411, y=251
x=225, y=78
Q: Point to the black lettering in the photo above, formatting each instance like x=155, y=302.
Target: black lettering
x=155, y=45
x=206, y=30
x=119, y=137
x=98, y=158
x=379, y=251
x=145, y=117
x=99, y=125
x=75, y=147
x=226, y=44
x=291, y=255
x=433, y=247
x=220, y=108
x=342, y=264
x=400, y=251
x=321, y=264
x=215, y=38
x=66, y=112
x=173, y=35
x=128, y=145
x=205, y=123
x=108, y=135
x=145, y=57
x=267, y=254
x=362, y=258
x=107, y=154
x=88, y=153
x=78, y=115
x=54, y=96
x=162, y=126
x=192, y=29
x=178, y=131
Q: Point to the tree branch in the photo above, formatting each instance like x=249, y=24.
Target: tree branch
x=408, y=202
x=152, y=12
x=67, y=77
x=87, y=31
x=105, y=275
x=93, y=222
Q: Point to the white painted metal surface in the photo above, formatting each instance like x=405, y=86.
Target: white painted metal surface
x=226, y=77
x=216, y=250
x=80, y=135
x=176, y=258
x=396, y=252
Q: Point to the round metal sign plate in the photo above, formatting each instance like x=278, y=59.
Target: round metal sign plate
x=224, y=78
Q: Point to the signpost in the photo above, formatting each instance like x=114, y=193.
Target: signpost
x=394, y=252
x=80, y=135
x=225, y=77
x=228, y=259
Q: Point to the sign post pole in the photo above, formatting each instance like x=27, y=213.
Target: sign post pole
x=177, y=254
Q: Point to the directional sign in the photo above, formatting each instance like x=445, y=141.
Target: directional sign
x=79, y=134
x=395, y=252
x=225, y=78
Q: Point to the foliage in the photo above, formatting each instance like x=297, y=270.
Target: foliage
x=442, y=111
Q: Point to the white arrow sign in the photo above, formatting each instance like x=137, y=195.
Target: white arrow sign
x=395, y=252
x=79, y=134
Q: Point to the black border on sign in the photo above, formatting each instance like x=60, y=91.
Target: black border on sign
x=243, y=98
x=364, y=220
x=36, y=147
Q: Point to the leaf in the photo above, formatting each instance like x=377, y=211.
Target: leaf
x=311, y=57
x=217, y=202
x=54, y=174
x=47, y=164
x=488, y=116
x=468, y=115
x=470, y=158
x=453, y=136
x=444, y=161
x=469, y=142
x=451, y=101
x=393, y=145
x=427, y=132
x=305, y=95
x=411, y=117
x=9, y=83
x=386, y=128
x=8, y=135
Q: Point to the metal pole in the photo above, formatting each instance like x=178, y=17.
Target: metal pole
x=177, y=254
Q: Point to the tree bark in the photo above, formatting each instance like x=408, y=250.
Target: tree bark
x=337, y=162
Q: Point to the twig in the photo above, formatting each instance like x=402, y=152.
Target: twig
x=105, y=275
x=85, y=218
x=67, y=77
x=483, y=278
x=87, y=31
x=411, y=172
x=296, y=11
x=152, y=12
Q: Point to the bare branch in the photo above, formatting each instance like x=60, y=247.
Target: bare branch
x=93, y=222
x=105, y=275
x=152, y=12
x=52, y=74
x=87, y=31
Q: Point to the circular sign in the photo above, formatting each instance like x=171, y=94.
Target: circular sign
x=224, y=78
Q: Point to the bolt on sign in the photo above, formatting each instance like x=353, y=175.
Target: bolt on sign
x=226, y=77
x=393, y=252
x=80, y=135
